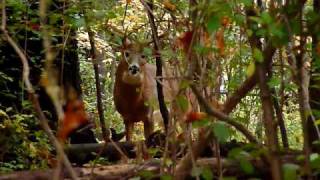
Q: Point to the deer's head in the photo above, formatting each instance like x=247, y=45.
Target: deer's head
x=135, y=60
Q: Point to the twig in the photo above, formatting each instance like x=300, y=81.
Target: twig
x=221, y=116
x=125, y=14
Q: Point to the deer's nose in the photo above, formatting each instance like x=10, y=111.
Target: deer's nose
x=134, y=69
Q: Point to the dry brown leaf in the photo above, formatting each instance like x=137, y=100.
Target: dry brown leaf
x=168, y=5
x=220, y=41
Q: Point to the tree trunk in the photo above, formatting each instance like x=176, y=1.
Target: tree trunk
x=314, y=88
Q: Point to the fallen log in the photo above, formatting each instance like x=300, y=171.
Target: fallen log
x=83, y=153
x=126, y=171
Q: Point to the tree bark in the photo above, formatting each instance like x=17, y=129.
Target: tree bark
x=314, y=89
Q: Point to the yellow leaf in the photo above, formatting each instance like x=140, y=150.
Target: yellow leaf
x=44, y=81
x=168, y=5
x=317, y=122
x=250, y=69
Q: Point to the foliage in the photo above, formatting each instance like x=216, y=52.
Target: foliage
x=231, y=43
x=23, y=146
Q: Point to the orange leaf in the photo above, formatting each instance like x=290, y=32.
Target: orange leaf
x=128, y=1
x=168, y=5
x=184, y=41
x=225, y=21
x=206, y=39
x=220, y=41
x=195, y=116
x=74, y=117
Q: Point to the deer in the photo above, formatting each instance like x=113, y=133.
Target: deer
x=134, y=87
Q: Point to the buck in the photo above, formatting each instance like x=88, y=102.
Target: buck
x=135, y=86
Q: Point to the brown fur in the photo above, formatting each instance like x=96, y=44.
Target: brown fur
x=133, y=93
x=131, y=98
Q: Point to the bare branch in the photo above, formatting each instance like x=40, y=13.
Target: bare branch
x=223, y=117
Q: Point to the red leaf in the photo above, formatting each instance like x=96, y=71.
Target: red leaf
x=74, y=117
x=195, y=116
x=184, y=41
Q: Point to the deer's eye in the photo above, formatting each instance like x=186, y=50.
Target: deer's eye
x=126, y=54
x=143, y=56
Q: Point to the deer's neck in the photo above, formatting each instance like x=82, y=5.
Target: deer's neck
x=132, y=88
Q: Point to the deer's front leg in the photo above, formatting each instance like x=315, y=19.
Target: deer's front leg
x=148, y=126
x=129, y=130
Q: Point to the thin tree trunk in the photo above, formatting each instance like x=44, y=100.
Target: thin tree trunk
x=269, y=123
x=303, y=81
x=314, y=89
x=93, y=53
x=279, y=115
x=162, y=105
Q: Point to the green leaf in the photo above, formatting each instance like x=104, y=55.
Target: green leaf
x=314, y=156
x=266, y=18
x=111, y=15
x=251, y=69
x=246, y=166
x=290, y=171
x=146, y=174
x=221, y=131
x=229, y=178
x=184, y=84
x=207, y=173
x=196, y=171
x=317, y=122
x=315, y=160
x=261, y=32
x=213, y=24
x=249, y=32
x=257, y=55
x=182, y=103
x=166, y=177
x=147, y=52
x=79, y=22
x=239, y=19
x=246, y=2
x=135, y=178
x=256, y=19
x=274, y=81
x=201, y=123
